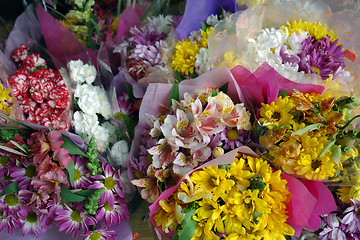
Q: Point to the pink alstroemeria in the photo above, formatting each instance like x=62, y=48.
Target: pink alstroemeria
x=41, y=145
x=111, y=182
x=73, y=220
x=150, y=191
x=238, y=117
x=48, y=187
x=207, y=121
x=183, y=165
x=163, y=154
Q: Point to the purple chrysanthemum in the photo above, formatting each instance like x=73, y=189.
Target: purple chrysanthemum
x=112, y=215
x=351, y=220
x=321, y=56
x=332, y=229
x=23, y=175
x=101, y=234
x=233, y=138
x=32, y=221
x=112, y=184
x=81, y=181
x=73, y=220
x=8, y=221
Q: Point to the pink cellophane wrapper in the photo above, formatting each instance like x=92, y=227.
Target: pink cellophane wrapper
x=61, y=42
x=309, y=198
x=232, y=34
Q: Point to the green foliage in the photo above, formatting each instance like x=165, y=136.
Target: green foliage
x=11, y=188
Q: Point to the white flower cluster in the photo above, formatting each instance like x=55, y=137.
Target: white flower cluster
x=163, y=23
x=92, y=100
x=269, y=45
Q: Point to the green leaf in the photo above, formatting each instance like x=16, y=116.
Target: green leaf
x=336, y=154
x=130, y=92
x=130, y=124
x=71, y=171
x=18, y=146
x=68, y=196
x=86, y=192
x=8, y=149
x=11, y=188
x=72, y=148
x=174, y=93
x=203, y=26
x=214, y=93
x=331, y=142
x=283, y=93
x=307, y=129
x=189, y=229
x=255, y=216
x=177, y=75
x=224, y=88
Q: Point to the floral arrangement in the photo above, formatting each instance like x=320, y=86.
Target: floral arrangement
x=47, y=178
x=309, y=135
x=41, y=91
x=245, y=199
x=195, y=130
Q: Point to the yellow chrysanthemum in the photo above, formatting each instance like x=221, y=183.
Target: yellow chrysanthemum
x=184, y=58
x=229, y=60
x=277, y=114
x=349, y=192
x=5, y=100
x=314, y=29
x=204, y=36
x=309, y=165
x=169, y=214
x=212, y=179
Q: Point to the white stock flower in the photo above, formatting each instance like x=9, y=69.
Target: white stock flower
x=202, y=61
x=119, y=154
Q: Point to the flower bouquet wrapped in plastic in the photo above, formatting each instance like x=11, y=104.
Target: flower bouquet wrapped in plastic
x=52, y=177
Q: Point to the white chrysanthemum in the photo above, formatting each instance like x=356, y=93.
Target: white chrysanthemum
x=212, y=20
x=163, y=23
x=93, y=100
x=202, y=64
x=119, y=154
x=80, y=72
x=295, y=41
x=83, y=123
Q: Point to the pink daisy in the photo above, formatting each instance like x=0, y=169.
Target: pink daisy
x=234, y=138
x=32, y=221
x=101, y=234
x=112, y=215
x=81, y=181
x=11, y=203
x=73, y=220
x=23, y=175
x=8, y=221
x=111, y=182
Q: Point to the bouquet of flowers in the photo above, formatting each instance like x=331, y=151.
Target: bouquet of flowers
x=41, y=91
x=53, y=177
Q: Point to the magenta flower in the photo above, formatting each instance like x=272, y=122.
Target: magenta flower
x=112, y=215
x=101, y=234
x=234, y=138
x=34, y=222
x=23, y=175
x=73, y=220
x=111, y=182
x=11, y=203
x=8, y=221
x=81, y=181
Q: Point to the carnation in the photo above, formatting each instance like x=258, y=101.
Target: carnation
x=119, y=154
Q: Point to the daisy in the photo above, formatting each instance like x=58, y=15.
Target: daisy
x=8, y=221
x=81, y=181
x=112, y=215
x=101, y=234
x=33, y=222
x=11, y=203
x=24, y=175
x=234, y=138
x=111, y=182
x=73, y=220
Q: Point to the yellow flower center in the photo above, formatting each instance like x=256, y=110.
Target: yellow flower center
x=4, y=160
x=75, y=215
x=109, y=183
x=95, y=236
x=107, y=206
x=232, y=134
x=31, y=217
x=11, y=199
x=30, y=171
x=77, y=175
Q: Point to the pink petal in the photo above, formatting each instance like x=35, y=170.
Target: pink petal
x=63, y=157
x=55, y=139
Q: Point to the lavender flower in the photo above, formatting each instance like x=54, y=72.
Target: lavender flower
x=321, y=56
